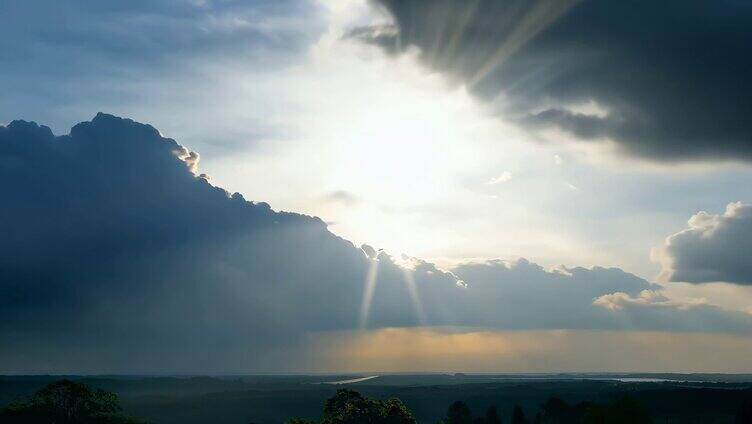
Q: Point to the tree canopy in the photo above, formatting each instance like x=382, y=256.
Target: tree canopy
x=350, y=407
x=67, y=402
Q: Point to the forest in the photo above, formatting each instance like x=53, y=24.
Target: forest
x=68, y=401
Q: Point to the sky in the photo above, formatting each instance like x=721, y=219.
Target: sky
x=219, y=186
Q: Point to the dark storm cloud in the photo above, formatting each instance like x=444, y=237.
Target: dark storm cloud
x=713, y=248
x=113, y=246
x=673, y=76
x=117, y=255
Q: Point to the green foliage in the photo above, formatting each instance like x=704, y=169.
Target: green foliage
x=396, y=412
x=67, y=402
x=350, y=407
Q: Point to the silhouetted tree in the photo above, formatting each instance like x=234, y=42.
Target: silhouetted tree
x=67, y=402
x=395, y=412
x=458, y=413
x=518, y=416
x=350, y=407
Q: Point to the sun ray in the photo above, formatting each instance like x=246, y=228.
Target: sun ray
x=537, y=19
x=412, y=289
x=368, y=288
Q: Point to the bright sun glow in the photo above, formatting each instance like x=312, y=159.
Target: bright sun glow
x=398, y=138
x=409, y=154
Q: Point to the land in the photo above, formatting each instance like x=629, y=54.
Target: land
x=670, y=398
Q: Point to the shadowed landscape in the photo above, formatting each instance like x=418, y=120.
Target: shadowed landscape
x=672, y=398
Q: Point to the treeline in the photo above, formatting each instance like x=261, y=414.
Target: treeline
x=350, y=407
x=69, y=402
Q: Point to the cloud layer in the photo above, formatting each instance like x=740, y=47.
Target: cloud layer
x=713, y=248
x=64, y=58
x=126, y=38
x=118, y=255
x=666, y=81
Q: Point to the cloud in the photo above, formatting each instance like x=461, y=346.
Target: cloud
x=344, y=197
x=666, y=95
x=617, y=301
x=119, y=256
x=651, y=309
x=713, y=248
x=523, y=295
x=114, y=37
x=64, y=58
x=115, y=246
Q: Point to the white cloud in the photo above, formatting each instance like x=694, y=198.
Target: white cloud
x=714, y=247
x=616, y=301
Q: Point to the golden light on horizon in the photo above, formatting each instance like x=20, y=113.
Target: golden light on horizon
x=427, y=349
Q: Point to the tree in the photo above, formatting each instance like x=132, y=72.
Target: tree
x=395, y=412
x=518, y=417
x=67, y=402
x=458, y=413
x=75, y=401
x=350, y=407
